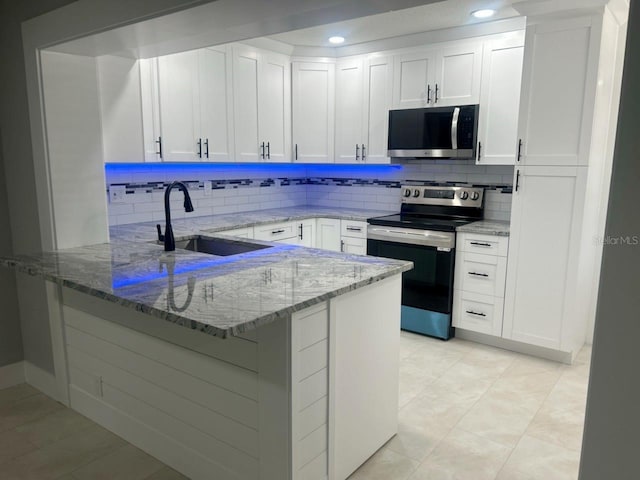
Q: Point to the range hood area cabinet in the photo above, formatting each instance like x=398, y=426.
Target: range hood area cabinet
x=438, y=77
x=363, y=100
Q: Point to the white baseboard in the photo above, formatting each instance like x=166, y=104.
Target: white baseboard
x=11, y=375
x=519, y=347
x=41, y=379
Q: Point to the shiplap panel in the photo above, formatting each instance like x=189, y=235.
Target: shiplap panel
x=211, y=370
x=311, y=328
x=312, y=359
x=311, y=418
x=182, y=409
x=173, y=451
x=238, y=351
x=316, y=469
x=311, y=446
x=223, y=401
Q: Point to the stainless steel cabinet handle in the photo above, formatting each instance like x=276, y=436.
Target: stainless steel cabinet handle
x=479, y=151
x=301, y=231
x=517, y=180
x=159, y=142
x=342, y=245
x=428, y=93
x=476, y=274
x=471, y=312
x=199, y=148
x=363, y=153
x=206, y=147
x=436, y=95
x=262, y=150
x=275, y=232
x=480, y=244
x=357, y=152
x=296, y=149
x=354, y=229
x=268, y=150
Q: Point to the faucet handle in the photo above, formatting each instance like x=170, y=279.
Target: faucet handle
x=160, y=235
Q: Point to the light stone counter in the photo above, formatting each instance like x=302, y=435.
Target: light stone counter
x=487, y=227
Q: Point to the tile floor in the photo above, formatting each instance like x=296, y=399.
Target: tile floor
x=467, y=411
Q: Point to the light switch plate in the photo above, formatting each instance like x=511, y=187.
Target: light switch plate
x=117, y=193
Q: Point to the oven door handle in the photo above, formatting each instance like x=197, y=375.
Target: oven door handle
x=444, y=241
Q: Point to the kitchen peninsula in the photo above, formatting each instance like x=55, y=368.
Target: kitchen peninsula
x=281, y=362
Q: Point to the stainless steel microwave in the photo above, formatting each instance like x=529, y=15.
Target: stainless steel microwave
x=440, y=132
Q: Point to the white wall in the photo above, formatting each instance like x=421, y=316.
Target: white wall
x=611, y=442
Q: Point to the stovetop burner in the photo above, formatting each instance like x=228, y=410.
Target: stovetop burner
x=440, y=209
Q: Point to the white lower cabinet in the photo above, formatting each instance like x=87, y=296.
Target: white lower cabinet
x=307, y=233
x=353, y=237
x=479, y=285
x=328, y=234
x=277, y=232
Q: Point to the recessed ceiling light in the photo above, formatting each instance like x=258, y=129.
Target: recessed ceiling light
x=484, y=13
x=336, y=40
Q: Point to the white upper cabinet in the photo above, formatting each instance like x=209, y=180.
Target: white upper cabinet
x=500, y=100
x=194, y=111
x=313, y=92
x=216, y=113
x=274, y=107
x=349, y=111
x=150, y=101
x=363, y=98
x=179, y=107
x=557, y=83
x=438, y=77
x=458, y=69
x=262, y=99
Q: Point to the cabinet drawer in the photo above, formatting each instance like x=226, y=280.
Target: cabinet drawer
x=483, y=244
x=483, y=274
x=353, y=228
x=354, y=245
x=276, y=231
x=479, y=313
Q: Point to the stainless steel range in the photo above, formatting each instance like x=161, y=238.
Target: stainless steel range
x=424, y=232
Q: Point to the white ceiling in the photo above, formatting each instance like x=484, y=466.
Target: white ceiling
x=424, y=18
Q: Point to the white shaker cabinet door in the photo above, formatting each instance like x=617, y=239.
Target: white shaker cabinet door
x=349, y=141
x=245, y=99
x=216, y=112
x=179, y=107
x=313, y=88
x=150, y=102
x=543, y=250
x=458, y=69
x=414, y=76
x=378, y=77
x=500, y=101
x=274, y=107
x=558, y=85
x=328, y=234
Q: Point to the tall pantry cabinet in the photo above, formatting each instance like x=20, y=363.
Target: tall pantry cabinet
x=556, y=115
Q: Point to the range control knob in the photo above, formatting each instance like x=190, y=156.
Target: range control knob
x=464, y=195
x=416, y=193
x=407, y=192
x=475, y=195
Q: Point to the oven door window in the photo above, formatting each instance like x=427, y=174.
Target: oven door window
x=429, y=286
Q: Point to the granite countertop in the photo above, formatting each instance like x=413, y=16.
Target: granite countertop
x=486, y=227
x=217, y=295
x=182, y=228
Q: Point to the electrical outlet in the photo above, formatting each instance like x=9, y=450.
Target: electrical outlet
x=117, y=193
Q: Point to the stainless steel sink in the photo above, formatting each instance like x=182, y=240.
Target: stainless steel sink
x=219, y=246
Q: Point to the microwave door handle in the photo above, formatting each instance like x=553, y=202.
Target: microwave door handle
x=454, y=128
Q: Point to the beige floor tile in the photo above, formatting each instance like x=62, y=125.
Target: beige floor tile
x=166, y=473
x=385, y=465
x=415, y=440
x=54, y=426
x=463, y=456
x=13, y=394
x=62, y=457
x=26, y=410
x=584, y=355
x=501, y=419
x=125, y=463
x=560, y=427
x=569, y=393
x=515, y=387
x=452, y=389
x=533, y=459
x=524, y=365
x=13, y=444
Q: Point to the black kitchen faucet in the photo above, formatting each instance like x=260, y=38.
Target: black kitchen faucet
x=167, y=238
